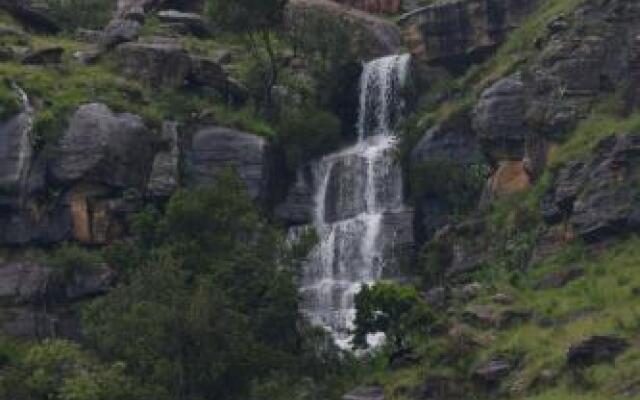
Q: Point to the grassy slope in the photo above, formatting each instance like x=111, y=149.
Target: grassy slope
x=59, y=90
x=606, y=300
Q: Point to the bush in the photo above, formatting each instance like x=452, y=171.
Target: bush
x=397, y=311
x=70, y=258
x=89, y=14
x=307, y=132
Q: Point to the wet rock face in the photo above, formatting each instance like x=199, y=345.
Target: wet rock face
x=15, y=155
x=215, y=148
x=102, y=147
x=457, y=33
x=346, y=189
x=298, y=206
x=371, y=37
x=599, y=196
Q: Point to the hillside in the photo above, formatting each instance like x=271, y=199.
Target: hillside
x=193, y=194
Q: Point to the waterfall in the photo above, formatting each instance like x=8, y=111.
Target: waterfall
x=356, y=188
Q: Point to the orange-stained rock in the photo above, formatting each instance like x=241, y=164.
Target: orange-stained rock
x=510, y=177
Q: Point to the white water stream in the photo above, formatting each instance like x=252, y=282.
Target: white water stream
x=355, y=187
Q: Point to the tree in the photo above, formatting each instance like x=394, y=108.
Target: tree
x=395, y=310
x=258, y=22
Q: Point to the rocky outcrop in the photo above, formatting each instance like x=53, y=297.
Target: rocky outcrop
x=102, y=147
x=599, y=196
x=370, y=36
x=37, y=299
x=457, y=33
x=215, y=148
x=190, y=23
x=452, y=141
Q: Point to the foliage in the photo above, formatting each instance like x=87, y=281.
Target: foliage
x=307, y=132
x=59, y=370
x=70, y=258
x=395, y=310
x=89, y=14
x=257, y=21
x=212, y=308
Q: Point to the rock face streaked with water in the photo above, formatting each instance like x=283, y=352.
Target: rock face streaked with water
x=359, y=213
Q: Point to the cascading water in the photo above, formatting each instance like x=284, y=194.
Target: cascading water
x=355, y=189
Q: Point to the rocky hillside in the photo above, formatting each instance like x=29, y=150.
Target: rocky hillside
x=151, y=158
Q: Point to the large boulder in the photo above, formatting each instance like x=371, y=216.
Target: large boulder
x=215, y=148
x=161, y=64
x=365, y=393
x=500, y=120
x=102, y=147
x=457, y=33
x=120, y=31
x=370, y=36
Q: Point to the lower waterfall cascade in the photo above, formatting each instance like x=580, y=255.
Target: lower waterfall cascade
x=357, y=190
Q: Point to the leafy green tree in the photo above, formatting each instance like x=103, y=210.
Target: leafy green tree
x=60, y=370
x=397, y=311
x=213, y=308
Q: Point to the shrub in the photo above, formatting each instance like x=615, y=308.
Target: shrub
x=70, y=258
x=395, y=310
x=307, y=132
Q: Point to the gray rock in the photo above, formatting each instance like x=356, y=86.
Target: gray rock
x=159, y=64
x=559, y=279
x=120, y=31
x=460, y=32
x=599, y=195
x=101, y=147
x=195, y=24
x=214, y=148
x=365, y=393
x=492, y=372
x=299, y=204
x=370, y=36
x=397, y=242
x=500, y=120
